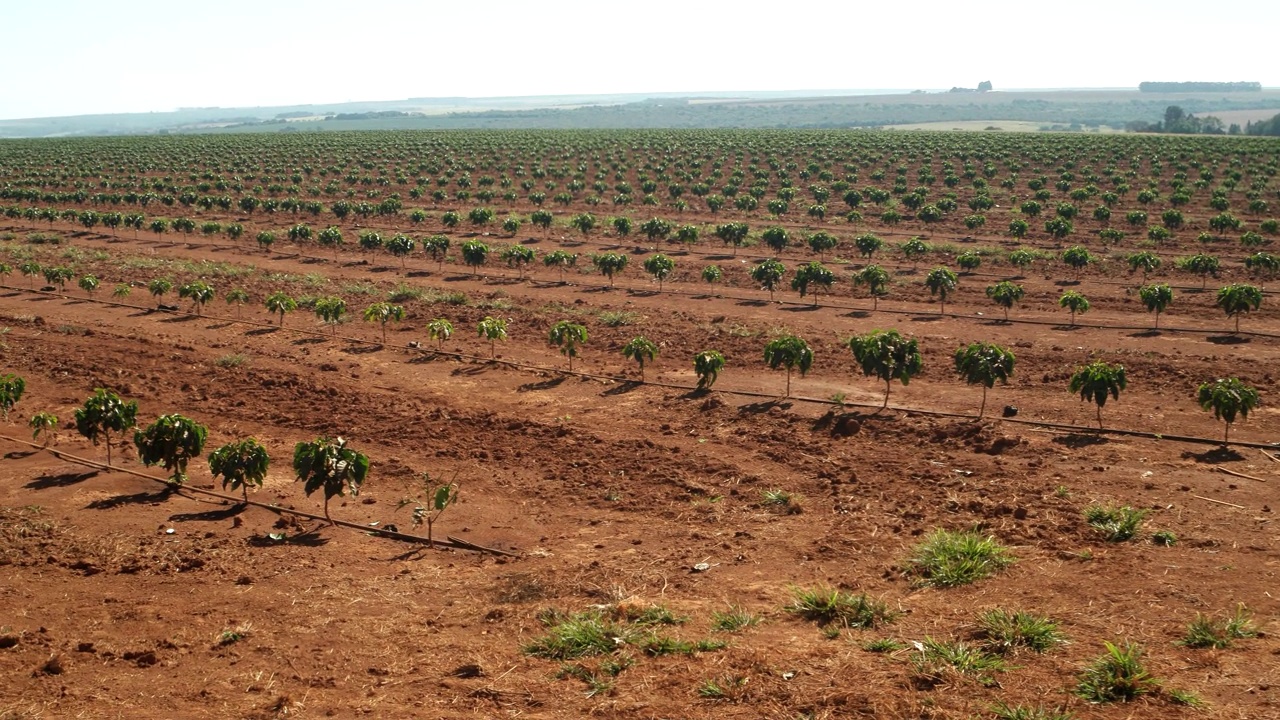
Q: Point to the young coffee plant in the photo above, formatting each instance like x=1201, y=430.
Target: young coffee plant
x=812, y=275
x=279, y=303
x=198, y=292
x=1005, y=294
x=328, y=464
x=430, y=503
x=237, y=297
x=89, y=284
x=400, y=246
x=712, y=274
x=660, y=267
x=640, y=349
x=158, y=288
x=1075, y=303
x=609, y=264
x=567, y=336
x=11, y=389
x=1096, y=382
x=887, y=356
x=768, y=273
x=1156, y=298
x=983, y=364
x=518, y=257
x=440, y=330
x=1238, y=299
x=170, y=442
x=707, y=366
x=437, y=246
x=1077, y=258
x=104, y=413
x=383, y=313
x=941, y=282
x=560, y=260
x=790, y=352
x=331, y=310
x=876, y=279
x=491, y=329
x=240, y=464
x=46, y=424
x=1227, y=398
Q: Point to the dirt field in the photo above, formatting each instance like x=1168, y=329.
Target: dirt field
x=122, y=598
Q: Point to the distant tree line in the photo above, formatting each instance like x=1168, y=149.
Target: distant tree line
x=377, y=115
x=1180, y=122
x=1175, y=87
x=1269, y=128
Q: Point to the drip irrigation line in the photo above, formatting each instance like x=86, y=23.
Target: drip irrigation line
x=450, y=543
x=541, y=369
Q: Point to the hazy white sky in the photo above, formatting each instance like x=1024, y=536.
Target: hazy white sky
x=64, y=57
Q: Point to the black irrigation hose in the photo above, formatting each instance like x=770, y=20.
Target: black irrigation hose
x=450, y=544
x=691, y=389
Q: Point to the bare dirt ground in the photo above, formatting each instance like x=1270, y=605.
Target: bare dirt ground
x=610, y=492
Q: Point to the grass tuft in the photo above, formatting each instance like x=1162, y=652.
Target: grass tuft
x=570, y=637
x=1187, y=698
x=781, y=500
x=950, y=559
x=882, y=645
x=233, y=360
x=733, y=620
x=937, y=659
x=829, y=606
x=1115, y=524
x=1117, y=676
x=1005, y=630
x=1207, y=632
x=618, y=318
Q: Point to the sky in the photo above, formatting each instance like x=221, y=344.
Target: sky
x=72, y=57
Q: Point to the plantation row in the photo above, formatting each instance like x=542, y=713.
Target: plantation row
x=1009, y=178
x=883, y=354
x=810, y=278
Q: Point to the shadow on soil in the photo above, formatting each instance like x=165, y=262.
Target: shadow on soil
x=142, y=498
x=263, y=331
x=1076, y=441
x=309, y=341
x=1227, y=339
x=800, y=308
x=622, y=388
x=45, y=482
x=362, y=349
x=182, y=319
x=210, y=515
x=547, y=384
x=1214, y=456
x=474, y=369
x=764, y=407
x=926, y=318
x=1146, y=334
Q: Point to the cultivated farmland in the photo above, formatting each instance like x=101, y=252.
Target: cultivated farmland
x=691, y=418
